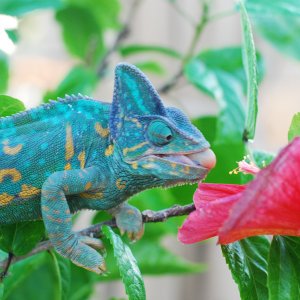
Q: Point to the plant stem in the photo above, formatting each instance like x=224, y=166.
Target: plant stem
x=191, y=50
x=120, y=37
x=149, y=216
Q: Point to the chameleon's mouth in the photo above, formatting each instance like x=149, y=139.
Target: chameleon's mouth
x=201, y=159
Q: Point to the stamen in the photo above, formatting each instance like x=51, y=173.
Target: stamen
x=246, y=167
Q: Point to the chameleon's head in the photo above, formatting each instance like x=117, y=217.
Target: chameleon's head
x=154, y=140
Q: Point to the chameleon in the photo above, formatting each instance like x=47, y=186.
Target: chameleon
x=79, y=153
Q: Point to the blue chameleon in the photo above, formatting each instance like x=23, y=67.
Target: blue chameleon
x=78, y=153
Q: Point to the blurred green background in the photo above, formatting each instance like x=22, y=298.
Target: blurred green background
x=192, y=51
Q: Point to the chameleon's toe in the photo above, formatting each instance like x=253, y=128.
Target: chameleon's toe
x=93, y=242
x=103, y=268
x=129, y=220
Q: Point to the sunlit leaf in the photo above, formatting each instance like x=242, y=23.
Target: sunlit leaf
x=129, y=271
x=10, y=106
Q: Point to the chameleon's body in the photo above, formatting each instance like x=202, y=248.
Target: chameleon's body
x=81, y=153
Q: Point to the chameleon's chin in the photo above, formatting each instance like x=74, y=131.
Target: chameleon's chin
x=180, y=167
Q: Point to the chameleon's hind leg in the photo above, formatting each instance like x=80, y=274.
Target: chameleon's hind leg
x=57, y=217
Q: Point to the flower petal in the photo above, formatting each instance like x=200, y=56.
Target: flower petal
x=271, y=202
x=210, y=212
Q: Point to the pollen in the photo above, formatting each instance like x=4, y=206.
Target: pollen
x=246, y=167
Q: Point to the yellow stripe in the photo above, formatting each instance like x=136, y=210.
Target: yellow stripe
x=28, y=191
x=5, y=198
x=138, y=146
x=103, y=132
x=69, y=142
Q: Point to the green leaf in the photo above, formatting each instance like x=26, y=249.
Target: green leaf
x=222, y=85
x=22, y=237
x=269, y=7
x=137, y=48
x=129, y=271
x=20, y=272
x=283, y=282
x=20, y=7
x=62, y=270
x=82, y=283
x=10, y=106
x=106, y=12
x=278, y=22
x=151, y=67
x=78, y=80
x=4, y=72
x=249, y=60
x=262, y=158
x=161, y=261
x=82, y=34
x=295, y=127
x=247, y=261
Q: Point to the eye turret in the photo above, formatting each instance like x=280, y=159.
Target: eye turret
x=159, y=133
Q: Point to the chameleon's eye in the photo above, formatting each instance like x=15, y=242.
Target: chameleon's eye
x=159, y=133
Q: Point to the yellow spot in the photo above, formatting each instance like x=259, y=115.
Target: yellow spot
x=173, y=165
x=134, y=165
x=148, y=166
x=88, y=186
x=81, y=158
x=126, y=150
x=68, y=166
x=14, y=173
x=103, y=132
x=5, y=198
x=11, y=150
x=186, y=169
x=120, y=184
x=95, y=196
x=28, y=191
x=69, y=142
x=109, y=150
x=135, y=121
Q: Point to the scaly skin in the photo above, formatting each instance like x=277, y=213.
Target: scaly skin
x=78, y=153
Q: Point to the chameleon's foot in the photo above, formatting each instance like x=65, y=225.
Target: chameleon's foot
x=129, y=220
x=77, y=250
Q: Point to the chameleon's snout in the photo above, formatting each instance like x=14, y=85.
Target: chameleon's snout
x=206, y=158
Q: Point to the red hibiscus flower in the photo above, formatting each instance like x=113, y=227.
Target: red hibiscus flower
x=270, y=204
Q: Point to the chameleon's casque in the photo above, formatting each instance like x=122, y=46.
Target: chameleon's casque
x=78, y=153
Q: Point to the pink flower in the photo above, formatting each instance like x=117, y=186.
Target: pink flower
x=270, y=204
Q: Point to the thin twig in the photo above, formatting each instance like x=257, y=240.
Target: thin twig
x=165, y=88
x=149, y=216
x=7, y=264
x=120, y=37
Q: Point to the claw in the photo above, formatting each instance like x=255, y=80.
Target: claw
x=102, y=267
x=122, y=231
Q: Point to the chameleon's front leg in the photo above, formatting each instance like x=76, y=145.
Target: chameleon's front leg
x=57, y=217
x=129, y=220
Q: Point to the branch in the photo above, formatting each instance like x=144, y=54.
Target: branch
x=120, y=37
x=165, y=88
x=149, y=216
